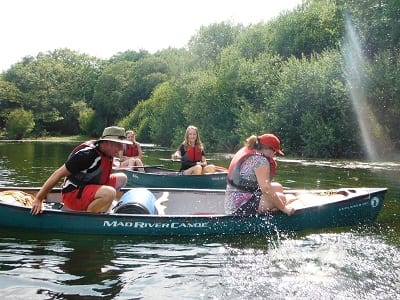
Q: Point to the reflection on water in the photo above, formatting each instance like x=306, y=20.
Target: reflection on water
x=343, y=263
x=340, y=265
x=345, y=164
x=30, y=163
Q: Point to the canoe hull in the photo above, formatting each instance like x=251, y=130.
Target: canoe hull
x=359, y=210
x=158, y=177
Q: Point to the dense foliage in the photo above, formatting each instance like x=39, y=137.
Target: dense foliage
x=296, y=76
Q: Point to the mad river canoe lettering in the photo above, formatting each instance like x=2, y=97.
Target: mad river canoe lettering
x=154, y=225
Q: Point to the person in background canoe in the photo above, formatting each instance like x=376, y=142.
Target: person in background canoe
x=131, y=155
x=89, y=184
x=250, y=189
x=191, y=153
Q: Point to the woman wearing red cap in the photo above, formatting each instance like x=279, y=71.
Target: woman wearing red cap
x=250, y=189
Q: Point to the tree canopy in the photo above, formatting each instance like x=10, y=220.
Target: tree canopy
x=289, y=76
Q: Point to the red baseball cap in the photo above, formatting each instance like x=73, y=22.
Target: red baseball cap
x=272, y=141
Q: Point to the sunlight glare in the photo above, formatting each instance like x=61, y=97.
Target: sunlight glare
x=373, y=138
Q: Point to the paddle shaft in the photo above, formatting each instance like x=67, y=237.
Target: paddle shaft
x=144, y=167
x=217, y=168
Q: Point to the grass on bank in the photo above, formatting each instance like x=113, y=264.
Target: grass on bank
x=56, y=139
x=72, y=138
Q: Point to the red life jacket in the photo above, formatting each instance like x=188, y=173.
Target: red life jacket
x=194, y=153
x=234, y=178
x=131, y=150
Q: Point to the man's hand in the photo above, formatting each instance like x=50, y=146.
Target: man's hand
x=37, y=207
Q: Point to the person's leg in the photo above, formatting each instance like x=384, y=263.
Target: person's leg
x=138, y=163
x=131, y=162
x=80, y=199
x=118, y=180
x=276, y=187
x=102, y=199
x=272, y=202
x=93, y=197
x=286, y=198
x=195, y=170
x=125, y=164
x=208, y=169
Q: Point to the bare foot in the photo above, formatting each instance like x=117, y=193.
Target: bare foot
x=290, y=198
x=289, y=210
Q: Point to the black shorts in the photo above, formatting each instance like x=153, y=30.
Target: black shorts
x=250, y=207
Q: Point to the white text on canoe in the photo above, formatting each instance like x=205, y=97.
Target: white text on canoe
x=154, y=225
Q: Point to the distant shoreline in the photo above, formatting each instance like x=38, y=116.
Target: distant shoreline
x=73, y=138
x=64, y=139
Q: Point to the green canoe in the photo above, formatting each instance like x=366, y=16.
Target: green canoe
x=158, y=176
x=192, y=212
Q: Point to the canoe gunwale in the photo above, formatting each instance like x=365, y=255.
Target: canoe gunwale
x=362, y=197
x=166, y=178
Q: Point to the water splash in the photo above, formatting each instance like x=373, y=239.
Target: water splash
x=372, y=135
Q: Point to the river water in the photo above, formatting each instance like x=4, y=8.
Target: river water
x=343, y=263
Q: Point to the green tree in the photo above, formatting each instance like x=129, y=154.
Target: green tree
x=315, y=89
x=129, y=55
x=313, y=27
x=253, y=41
x=144, y=77
x=108, y=100
x=10, y=98
x=50, y=83
x=178, y=61
x=383, y=92
x=86, y=118
x=210, y=40
x=139, y=120
x=20, y=123
x=377, y=22
x=166, y=106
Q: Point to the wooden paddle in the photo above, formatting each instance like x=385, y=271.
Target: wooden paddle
x=144, y=167
x=217, y=168
x=170, y=159
x=221, y=169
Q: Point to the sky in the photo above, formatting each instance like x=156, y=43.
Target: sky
x=102, y=28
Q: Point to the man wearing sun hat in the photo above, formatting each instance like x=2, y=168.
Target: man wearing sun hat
x=89, y=184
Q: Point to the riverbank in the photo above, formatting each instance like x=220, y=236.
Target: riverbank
x=72, y=138
x=65, y=139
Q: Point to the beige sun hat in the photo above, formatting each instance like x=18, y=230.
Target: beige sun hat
x=115, y=134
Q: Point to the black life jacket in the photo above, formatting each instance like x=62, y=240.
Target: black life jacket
x=96, y=174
